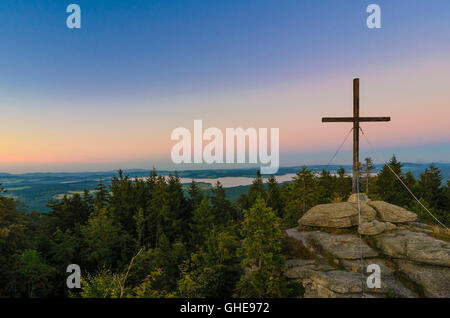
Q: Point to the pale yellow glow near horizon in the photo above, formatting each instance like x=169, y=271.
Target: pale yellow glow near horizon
x=414, y=93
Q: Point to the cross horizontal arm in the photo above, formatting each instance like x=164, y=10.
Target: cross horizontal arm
x=353, y=119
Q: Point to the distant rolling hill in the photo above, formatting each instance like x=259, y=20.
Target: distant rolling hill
x=35, y=189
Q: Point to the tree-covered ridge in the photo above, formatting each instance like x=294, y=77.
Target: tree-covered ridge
x=149, y=238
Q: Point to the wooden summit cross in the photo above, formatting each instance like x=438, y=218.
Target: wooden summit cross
x=355, y=120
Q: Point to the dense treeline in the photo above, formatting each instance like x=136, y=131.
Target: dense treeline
x=152, y=238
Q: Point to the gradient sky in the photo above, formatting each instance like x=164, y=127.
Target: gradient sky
x=109, y=95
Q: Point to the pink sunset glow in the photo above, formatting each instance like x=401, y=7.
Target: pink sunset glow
x=411, y=96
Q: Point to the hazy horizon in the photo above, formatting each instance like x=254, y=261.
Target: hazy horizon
x=209, y=167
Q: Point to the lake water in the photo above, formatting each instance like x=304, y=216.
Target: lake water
x=229, y=182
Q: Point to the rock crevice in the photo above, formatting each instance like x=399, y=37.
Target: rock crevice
x=412, y=263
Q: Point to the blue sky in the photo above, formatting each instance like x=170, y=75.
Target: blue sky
x=147, y=57
x=173, y=46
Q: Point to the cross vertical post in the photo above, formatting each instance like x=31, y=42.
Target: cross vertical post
x=355, y=120
x=355, y=174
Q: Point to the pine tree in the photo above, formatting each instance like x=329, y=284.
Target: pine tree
x=222, y=209
x=343, y=184
x=274, y=198
x=178, y=217
x=446, y=198
x=430, y=187
x=107, y=244
x=151, y=181
x=141, y=193
x=327, y=184
x=256, y=189
x=14, y=239
x=141, y=227
x=262, y=261
x=203, y=220
x=410, y=181
x=101, y=195
x=211, y=271
x=146, y=289
x=122, y=202
x=195, y=195
x=35, y=273
x=88, y=201
x=388, y=187
x=101, y=284
x=242, y=204
x=300, y=195
x=69, y=212
x=159, y=210
x=166, y=257
x=368, y=167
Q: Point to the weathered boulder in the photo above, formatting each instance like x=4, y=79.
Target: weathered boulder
x=392, y=213
x=341, y=246
x=375, y=227
x=330, y=284
x=367, y=212
x=355, y=266
x=335, y=270
x=389, y=282
x=343, y=284
x=296, y=267
x=355, y=197
x=297, y=235
x=304, y=242
x=414, y=263
x=298, y=262
x=336, y=215
x=422, y=227
x=395, y=288
x=414, y=246
x=434, y=280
